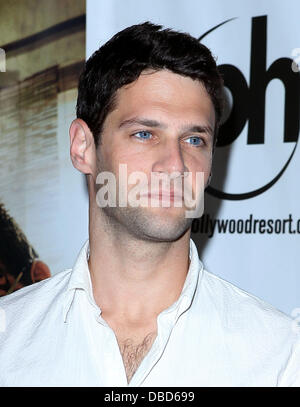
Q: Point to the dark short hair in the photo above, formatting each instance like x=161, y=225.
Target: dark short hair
x=122, y=59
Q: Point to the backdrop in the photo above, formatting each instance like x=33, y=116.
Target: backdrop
x=44, y=46
x=250, y=231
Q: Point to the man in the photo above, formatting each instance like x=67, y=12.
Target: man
x=19, y=263
x=138, y=308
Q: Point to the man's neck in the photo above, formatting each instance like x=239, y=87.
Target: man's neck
x=133, y=278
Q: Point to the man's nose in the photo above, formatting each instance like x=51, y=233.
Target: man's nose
x=169, y=160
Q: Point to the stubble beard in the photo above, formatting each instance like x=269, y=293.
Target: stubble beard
x=146, y=223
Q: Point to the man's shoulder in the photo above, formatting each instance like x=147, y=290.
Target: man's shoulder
x=48, y=286
x=28, y=318
x=238, y=306
x=254, y=331
x=35, y=298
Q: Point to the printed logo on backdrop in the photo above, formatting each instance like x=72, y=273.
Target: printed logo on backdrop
x=249, y=102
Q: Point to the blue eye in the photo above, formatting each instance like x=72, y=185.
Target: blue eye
x=144, y=135
x=195, y=141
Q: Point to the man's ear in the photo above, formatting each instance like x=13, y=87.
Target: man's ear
x=82, y=147
x=39, y=271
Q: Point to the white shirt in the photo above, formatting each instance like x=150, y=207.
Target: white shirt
x=215, y=334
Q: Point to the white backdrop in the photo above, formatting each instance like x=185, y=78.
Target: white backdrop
x=260, y=249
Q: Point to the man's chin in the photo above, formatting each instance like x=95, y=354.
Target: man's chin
x=153, y=224
x=163, y=236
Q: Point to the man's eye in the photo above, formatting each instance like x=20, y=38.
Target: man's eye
x=194, y=141
x=143, y=135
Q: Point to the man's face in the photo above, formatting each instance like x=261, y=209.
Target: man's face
x=163, y=123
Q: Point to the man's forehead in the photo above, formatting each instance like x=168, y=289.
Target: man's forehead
x=175, y=92
x=162, y=96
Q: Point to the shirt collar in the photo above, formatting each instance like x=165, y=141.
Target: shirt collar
x=80, y=279
x=192, y=280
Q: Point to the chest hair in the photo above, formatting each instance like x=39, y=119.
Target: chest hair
x=133, y=353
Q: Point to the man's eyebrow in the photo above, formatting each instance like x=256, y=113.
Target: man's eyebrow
x=143, y=122
x=190, y=128
x=198, y=128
